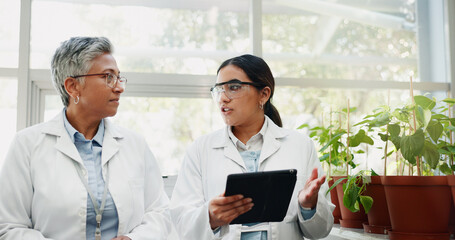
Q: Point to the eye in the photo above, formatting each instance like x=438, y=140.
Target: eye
x=110, y=77
x=234, y=87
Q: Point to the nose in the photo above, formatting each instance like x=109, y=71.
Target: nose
x=223, y=97
x=119, y=88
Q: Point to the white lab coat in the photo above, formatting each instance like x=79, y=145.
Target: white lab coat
x=42, y=196
x=203, y=176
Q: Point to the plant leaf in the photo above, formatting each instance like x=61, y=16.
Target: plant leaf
x=351, y=194
x=423, y=117
x=444, y=168
x=425, y=102
x=394, y=130
x=450, y=101
x=359, y=138
x=334, y=185
x=380, y=120
x=332, y=141
x=431, y=154
x=373, y=173
x=367, y=202
x=435, y=129
x=412, y=146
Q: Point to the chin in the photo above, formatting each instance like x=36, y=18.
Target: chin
x=110, y=114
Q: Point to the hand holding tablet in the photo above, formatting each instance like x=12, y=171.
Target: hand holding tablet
x=270, y=191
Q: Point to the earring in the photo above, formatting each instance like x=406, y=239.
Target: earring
x=76, y=100
x=261, y=106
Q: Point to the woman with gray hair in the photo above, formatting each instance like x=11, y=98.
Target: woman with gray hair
x=78, y=176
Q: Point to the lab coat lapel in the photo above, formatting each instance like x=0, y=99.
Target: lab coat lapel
x=230, y=151
x=67, y=147
x=110, y=142
x=271, y=140
x=64, y=144
x=270, y=146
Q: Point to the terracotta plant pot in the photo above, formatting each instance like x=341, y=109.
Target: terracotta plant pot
x=419, y=206
x=452, y=222
x=334, y=197
x=451, y=182
x=378, y=216
x=349, y=219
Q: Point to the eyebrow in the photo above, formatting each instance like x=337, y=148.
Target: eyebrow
x=234, y=80
x=110, y=70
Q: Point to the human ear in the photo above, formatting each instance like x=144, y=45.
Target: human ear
x=72, y=87
x=265, y=94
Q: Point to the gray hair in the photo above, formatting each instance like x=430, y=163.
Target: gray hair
x=74, y=57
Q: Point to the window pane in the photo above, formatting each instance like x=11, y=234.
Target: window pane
x=8, y=111
x=146, y=38
x=299, y=106
x=340, y=46
x=169, y=125
x=9, y=32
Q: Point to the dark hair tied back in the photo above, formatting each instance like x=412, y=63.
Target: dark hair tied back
x=259, y=72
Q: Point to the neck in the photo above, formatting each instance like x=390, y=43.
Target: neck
x=245, y=132
x=85, y=124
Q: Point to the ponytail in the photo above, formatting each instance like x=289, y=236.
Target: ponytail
x=272, y=113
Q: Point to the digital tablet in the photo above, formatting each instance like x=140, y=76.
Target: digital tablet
x=271, y=192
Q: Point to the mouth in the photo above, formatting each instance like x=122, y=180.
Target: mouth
x=226, y=109
x=115, y=100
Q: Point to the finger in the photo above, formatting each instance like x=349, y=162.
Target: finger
x=319, y=181
x=226, y=200
x=322, y=179
x=235, y=205
x=314, y=175
x=235, y=212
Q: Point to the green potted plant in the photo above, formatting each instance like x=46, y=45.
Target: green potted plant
x=378, y=216
x=330, y=154
x=418, y=205
x=351, y=187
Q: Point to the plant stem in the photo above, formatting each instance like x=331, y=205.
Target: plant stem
x=348, y=156
x=387, y=137
x=330, y=148
x=415, y=127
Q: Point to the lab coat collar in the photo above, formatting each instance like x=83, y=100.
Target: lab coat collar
x=64, y=144
x=270, y=146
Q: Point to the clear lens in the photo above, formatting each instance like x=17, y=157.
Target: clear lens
x=112, y=80
x=122, y=82
x=232, y=91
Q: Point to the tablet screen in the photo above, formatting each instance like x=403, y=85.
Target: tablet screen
x=271, y=192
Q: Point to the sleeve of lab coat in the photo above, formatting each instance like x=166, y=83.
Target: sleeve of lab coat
x=16, y=194
x=156, y=222
x=189, y=208
x=321, y=223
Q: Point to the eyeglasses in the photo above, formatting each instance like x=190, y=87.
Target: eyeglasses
x=233, y=89
x=111, y=79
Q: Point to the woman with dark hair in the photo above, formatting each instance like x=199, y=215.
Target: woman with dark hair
x=252, y=141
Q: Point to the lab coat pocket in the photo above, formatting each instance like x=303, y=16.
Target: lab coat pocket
x=293, y=209
x=137, y=195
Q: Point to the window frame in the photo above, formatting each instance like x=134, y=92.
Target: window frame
x=36, y=84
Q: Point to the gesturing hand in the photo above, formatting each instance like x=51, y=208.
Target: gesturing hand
x=222, y=210
x=308, y=196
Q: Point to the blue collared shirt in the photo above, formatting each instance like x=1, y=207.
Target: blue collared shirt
x=90, y=152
